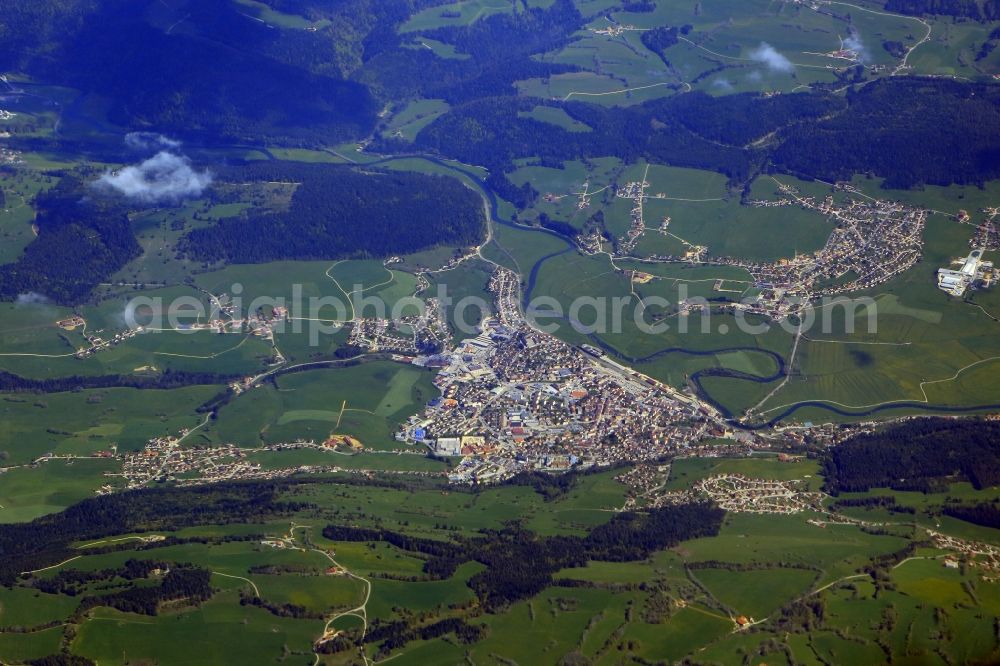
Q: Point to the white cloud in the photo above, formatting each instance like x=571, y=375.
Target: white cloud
x=31, y=298
x=150, y=141
x=165, y=177
x=767, y=55
x=854, y=43
x=722, y=84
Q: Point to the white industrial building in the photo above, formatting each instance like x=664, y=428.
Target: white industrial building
x=956, y=282
x=448, y=446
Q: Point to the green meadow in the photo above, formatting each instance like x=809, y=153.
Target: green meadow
x=365, y=401
x=221, y=631
x=29, y=492
x=459, y=13
x=412, y=118
x=755, y=593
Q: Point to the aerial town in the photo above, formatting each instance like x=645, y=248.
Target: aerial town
x=167, y=459
x=514, y=398
x=872, y=240
x=733, y=492
x=410, y=334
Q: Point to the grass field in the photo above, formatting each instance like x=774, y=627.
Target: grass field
x=28, y=608
x=555, y=116
x=221, y=631
x=552, y=625
x=573, y=279
x=755, y=593
x=366, y=401
x=27, y=493
x=159, y=231
x=408, y=121
x=15, y=647
x=17, y=215
x=85, y=422
x=718, y=54
x=763, y=539
x=684, y=472
x=32, y=345
x=461, y=13
x=700, y=208
x=279, y=19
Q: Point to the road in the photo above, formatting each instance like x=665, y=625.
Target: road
x=252, y=584
x=360, y=611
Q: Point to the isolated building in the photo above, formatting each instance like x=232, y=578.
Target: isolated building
x=956, y=282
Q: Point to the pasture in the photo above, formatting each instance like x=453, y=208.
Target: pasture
x=755, y=593
x=911, y=343
x=408, y=121
x=220, y=631
x=365, y=401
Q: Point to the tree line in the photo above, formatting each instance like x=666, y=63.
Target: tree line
x=182, y=583
x=986, y=10
x=920, y=454
x=986, y=514
x=72, y=582
x=262, y=83
x=168, y=379
x=47, y=540
x=520, y=564
x=910, y=131
x=495, y=51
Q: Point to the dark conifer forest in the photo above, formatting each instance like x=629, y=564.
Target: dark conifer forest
x=339, y=212
x=82, y=240
x=921, y=454
x=520, y=564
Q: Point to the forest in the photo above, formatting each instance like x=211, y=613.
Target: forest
x=490, y=132
x=922, y=454
x=188, y=583
x=343, y=212
x=983, y=10
x=308, y=87
x=316, y=87
x=911, y=131
x=395, y=635
x=520, y=564
x=169, y=379
x=659, y=40
x=986, y=514
x=499, y=49
x=82, y=239
x=157, y=77
x=47, y=540
x=72, y=582
x=61, y=659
